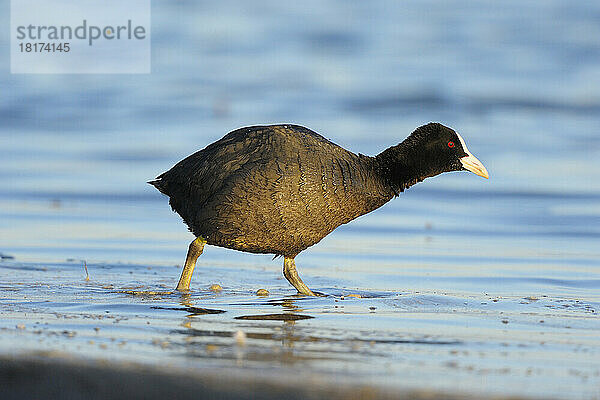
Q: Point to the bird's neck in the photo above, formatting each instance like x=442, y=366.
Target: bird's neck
x=400, y=166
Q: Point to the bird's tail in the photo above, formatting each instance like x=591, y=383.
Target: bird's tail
x=158, y=183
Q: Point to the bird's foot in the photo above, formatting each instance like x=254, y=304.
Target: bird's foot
x=311, y=293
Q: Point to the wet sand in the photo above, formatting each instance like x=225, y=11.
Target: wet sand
x=127, y=318
x=51, y=376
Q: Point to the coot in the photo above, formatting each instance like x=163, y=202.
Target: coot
x=279, y=189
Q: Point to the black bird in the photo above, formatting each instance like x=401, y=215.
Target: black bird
x=279, y=189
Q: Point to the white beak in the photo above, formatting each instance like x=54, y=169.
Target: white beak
x=471, y=163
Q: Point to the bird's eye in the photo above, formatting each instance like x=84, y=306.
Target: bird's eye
x=450, y=144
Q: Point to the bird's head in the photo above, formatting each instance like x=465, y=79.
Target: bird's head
x=441, y=149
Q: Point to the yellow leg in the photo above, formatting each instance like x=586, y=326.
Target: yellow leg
x=194, y=252
x=290, y=273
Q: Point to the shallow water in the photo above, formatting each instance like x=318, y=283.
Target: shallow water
x=468, y=285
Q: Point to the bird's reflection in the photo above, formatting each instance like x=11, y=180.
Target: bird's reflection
x=256, y=337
